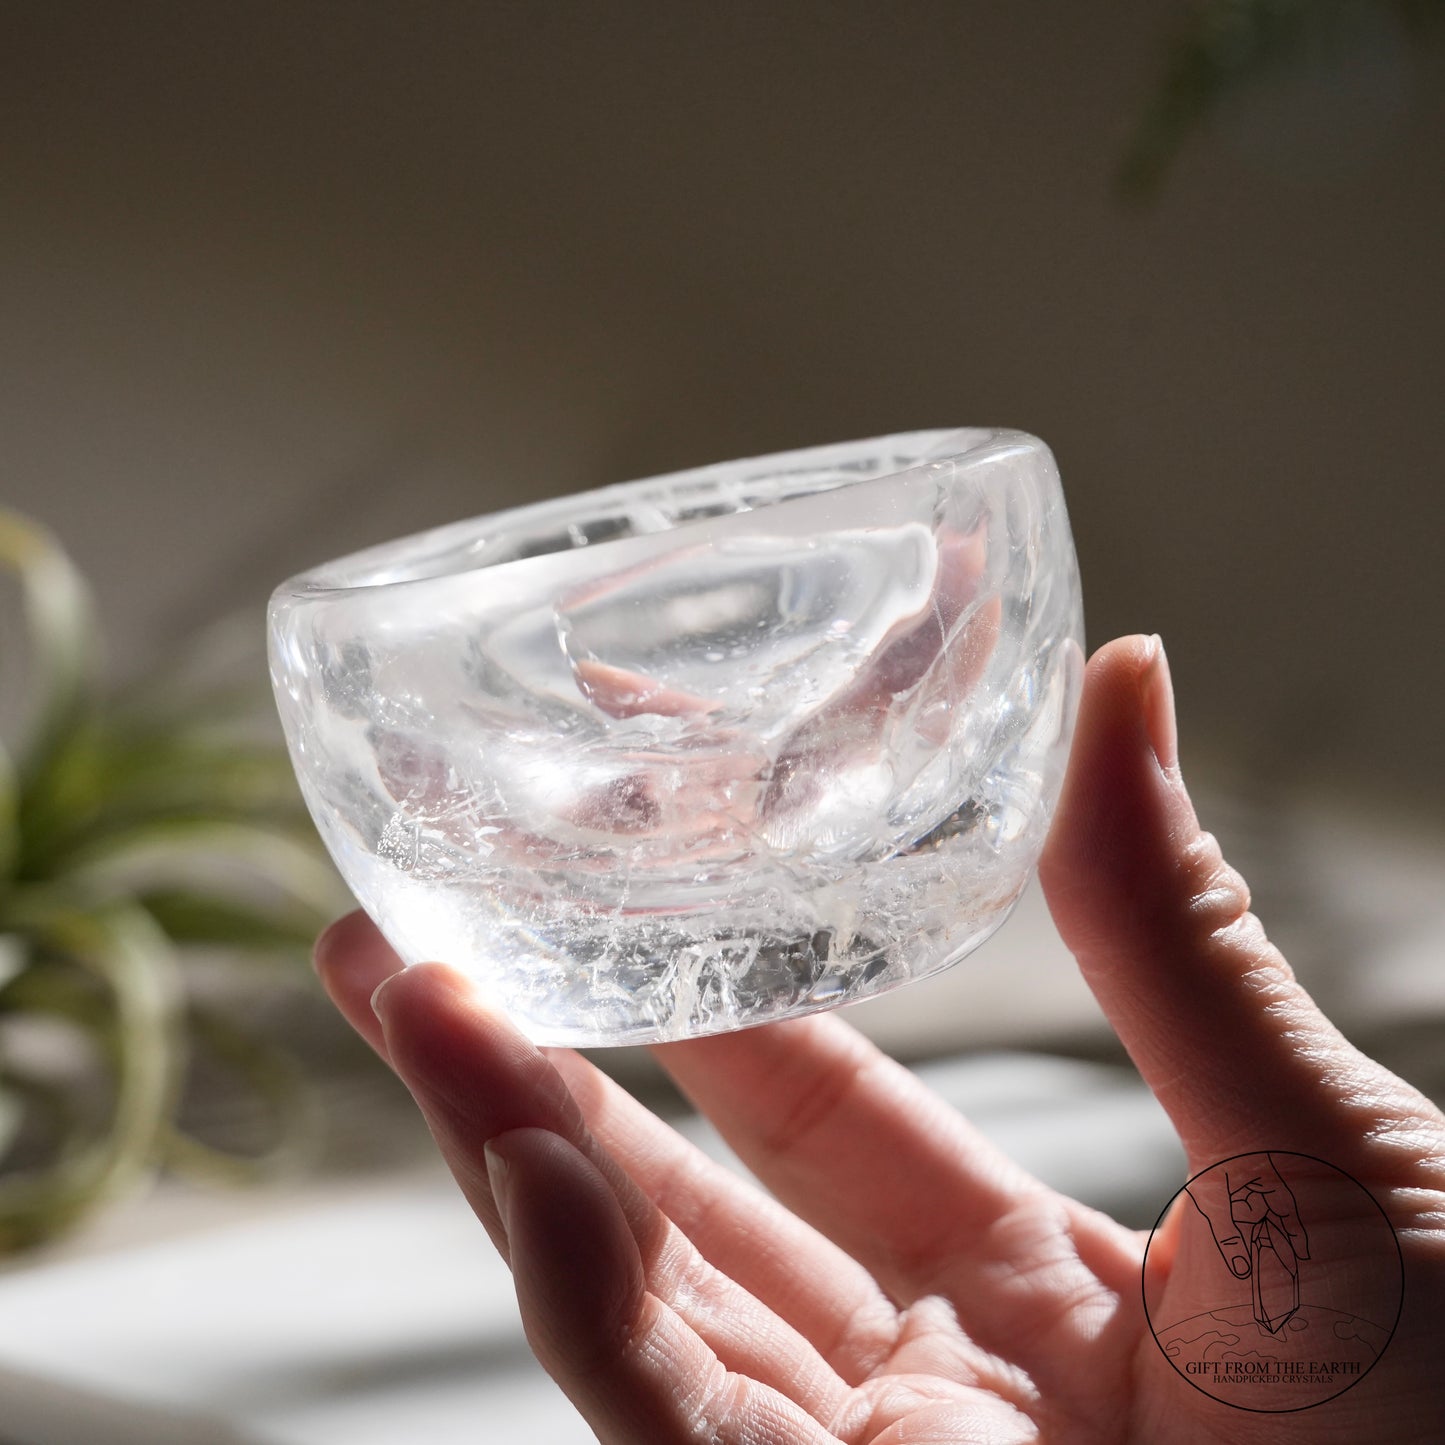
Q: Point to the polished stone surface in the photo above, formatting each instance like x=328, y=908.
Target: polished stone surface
x=687, y=754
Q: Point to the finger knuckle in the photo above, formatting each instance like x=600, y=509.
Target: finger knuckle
x=1216, y=897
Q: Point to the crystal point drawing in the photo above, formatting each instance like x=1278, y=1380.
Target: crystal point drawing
x=1274, y=1275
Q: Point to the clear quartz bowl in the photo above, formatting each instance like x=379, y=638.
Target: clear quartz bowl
x=687, y=754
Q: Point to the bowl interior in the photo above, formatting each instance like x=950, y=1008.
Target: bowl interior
x=636, y=509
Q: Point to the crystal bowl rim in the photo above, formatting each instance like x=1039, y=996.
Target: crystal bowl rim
x=974, y=443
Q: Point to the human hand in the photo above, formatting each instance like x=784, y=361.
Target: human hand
x=907, y=1282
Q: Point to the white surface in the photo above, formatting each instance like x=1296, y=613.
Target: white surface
x=384, y=1318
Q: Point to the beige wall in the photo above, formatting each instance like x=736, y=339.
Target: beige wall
x=277, y=279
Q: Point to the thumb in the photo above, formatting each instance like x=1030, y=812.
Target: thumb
x=1230, y=1043
x=1210, y=1194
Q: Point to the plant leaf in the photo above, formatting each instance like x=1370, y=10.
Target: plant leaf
x=59, y=617
x=193, y=917
x=106, y=780
x=12, y=1115
x=9, y=816
x=126, y=950
x=13, y=958
x=175, y=769
x=278, y=1084
x=208, y=854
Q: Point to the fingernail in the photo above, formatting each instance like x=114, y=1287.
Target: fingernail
x=1158, y=699
x=498, y=1174
x=379, y=995
x=323, y=942
x=1239, y=1263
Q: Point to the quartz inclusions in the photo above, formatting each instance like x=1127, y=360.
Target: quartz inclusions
x=647, y=780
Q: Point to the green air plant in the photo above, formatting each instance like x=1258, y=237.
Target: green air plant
x=137, y=837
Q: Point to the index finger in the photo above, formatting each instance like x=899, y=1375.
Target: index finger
x=865, y=1152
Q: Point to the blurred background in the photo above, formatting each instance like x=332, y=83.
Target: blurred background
x=280, y=280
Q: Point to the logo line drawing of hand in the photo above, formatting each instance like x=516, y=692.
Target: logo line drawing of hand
x=1252, y=1214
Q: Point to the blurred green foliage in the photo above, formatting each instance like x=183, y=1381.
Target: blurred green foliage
x=1223, y=46
x=137, y=835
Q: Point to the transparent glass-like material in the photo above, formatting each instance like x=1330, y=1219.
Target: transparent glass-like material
x=687, y=754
